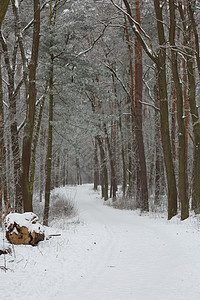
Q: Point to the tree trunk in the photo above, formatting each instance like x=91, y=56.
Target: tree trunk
x=3, y=183
x=181, y=125
x=42, y=155
x=35, y=143
x=104, y=171
x=173, y=122
x=196, y=132
x=49, y=147
x=164, y=121
x=113, y=187
x=124, y=176
x=78, y=172
x=158, y=162
x=96, y=166
x=144, y=205
x=30, y=114
x=192, y=99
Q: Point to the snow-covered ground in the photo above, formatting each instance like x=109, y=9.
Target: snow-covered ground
x=107, y=254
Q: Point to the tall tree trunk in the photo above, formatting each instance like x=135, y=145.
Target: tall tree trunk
x=194, y=26
x=78, y=172
x=42, y=155
x=104, y=171
x=124, y=175
x=181, y=125
x=130, y=121
x=173, y=122
x=192, y=99
x=3, y=183
x=114, y=138
x=112, y=167
x=158, y=162
x=49, y=147
x=57, y=170
x=144, y=205
x=30, y=113
x=35, y=143
x=96, y=166
x=164, y=120
x=196, y=132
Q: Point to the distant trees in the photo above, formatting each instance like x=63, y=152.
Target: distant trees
x=123, y=102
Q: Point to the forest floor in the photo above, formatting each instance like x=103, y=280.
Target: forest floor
x=106, y=254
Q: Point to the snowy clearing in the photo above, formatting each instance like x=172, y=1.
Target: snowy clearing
x=106, y=254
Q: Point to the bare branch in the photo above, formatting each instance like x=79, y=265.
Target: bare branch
x=149, y=104
x=119, y=79
x=4, y=81
x=149, y=91
x=94, y=42
x=18, y=88
x=21, y=125
x=31, y=22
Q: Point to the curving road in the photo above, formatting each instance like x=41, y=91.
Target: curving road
x=137, y=257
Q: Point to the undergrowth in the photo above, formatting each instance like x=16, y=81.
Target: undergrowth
x=62, y=206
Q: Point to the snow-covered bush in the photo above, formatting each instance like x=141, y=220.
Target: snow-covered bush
x=124, y=203
x=61, y=206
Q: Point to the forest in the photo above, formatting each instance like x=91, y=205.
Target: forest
x=103, y=92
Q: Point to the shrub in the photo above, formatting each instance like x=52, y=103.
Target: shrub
x=61, y=205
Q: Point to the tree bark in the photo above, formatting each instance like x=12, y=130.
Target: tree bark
x=3, y=183
x=181, y=125
x=30, y=114
x=144, y=205
x=196, y=132
x=112, y=166
x=104, y=171
x=164, y=115
x=49, y=146
x=42, y=155
x=96, y=166
x=158, y=160
x=124, y=175
x=192, y=99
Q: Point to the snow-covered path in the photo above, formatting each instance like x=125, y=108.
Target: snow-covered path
x=140, y=258
x=110, y=255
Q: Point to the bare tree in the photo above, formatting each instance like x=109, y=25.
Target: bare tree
x=181, y=125
x=30, y=114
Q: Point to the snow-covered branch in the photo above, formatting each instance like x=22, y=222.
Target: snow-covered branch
x=117, y=77
x=136, y=27
x=149, y=104
x=94, y=42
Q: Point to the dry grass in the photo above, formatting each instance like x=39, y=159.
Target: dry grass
x=123, y=203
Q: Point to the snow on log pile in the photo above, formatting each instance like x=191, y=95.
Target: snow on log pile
x=23, y=229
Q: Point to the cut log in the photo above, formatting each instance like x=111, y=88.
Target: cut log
x=24, y=229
